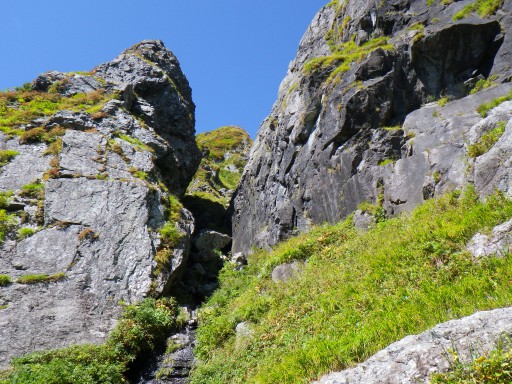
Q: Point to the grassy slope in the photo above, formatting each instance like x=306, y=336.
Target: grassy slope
x=357, y=293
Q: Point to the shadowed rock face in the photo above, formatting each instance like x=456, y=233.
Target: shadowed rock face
x=97, y=222
x=341, y=134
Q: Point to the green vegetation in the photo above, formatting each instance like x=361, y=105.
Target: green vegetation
x=344, y=55
x=484, y=109
x=224, y=157
x=483, y=84
x=421, y=31
x=357, y=293
x=169, y=233
x=487, y=141
x=138, y=173
x=6, y=156
x=41, y=278
x=25, y=232
x=387, y=161
x=139, y=330
x=5, y=280
x=443, y=101
x=137, y=144
x=494, y=367
x=33, y=191
x=22, y=107
x=484, y=8
x=7, y=223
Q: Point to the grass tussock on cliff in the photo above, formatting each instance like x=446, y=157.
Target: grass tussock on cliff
x=356, y=293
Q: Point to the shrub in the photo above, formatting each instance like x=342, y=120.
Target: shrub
x=141, y=327
x=5, y=280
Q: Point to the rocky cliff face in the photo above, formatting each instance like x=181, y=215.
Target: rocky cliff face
x=87, y=220
x=380, y=105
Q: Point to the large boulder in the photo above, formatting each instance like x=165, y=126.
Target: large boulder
x=355, y=119
x=87, y=186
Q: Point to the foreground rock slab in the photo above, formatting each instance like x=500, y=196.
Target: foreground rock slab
x=415, y=358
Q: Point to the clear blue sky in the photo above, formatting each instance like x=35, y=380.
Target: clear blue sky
x=234, y=52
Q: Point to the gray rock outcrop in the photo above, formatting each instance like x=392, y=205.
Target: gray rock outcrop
x=415, y=358
x=355, y=120
x=498, y=243
x=96, y=196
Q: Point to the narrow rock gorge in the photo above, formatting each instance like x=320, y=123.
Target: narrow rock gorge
x=363, y=237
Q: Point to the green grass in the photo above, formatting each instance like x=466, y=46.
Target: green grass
x=443, y=101
x=5, y=280
x=6, y=156
x=137, y=144
x=41, y=278
x=21, y=107
x=343, y=56
x=386, y=162
x=169, y=234
x=33, y=190
x=484, y=109
x=484, y=8
x=7, y=223
x=493, y=367
x=25, y=232
x=487, y=141
x=357, y=293
x=483, y=84
x=140, y=328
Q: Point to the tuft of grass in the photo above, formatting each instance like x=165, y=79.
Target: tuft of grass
x=483, y=84
x=484, y=8
x=484, y=109
x=41, y=278
x=357, y=293
x=487, y=141
x=140, y=329
x=137, y=144
x=25, y=232
x=6, y=156
x=386, y=162
x=443, y=101
x=7, y=223
x=492, y=367
x=5, y=280
x=33, y=191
